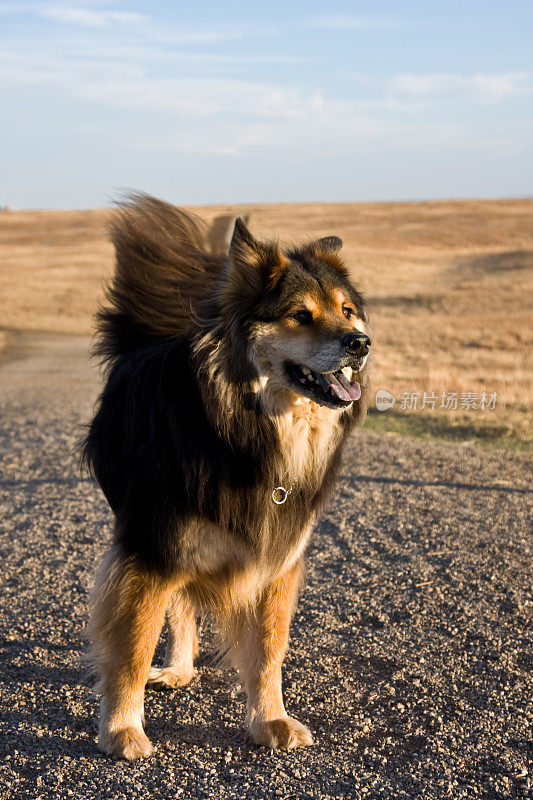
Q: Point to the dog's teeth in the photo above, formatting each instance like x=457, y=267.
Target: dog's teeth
x=347, y=371
x=306, y=371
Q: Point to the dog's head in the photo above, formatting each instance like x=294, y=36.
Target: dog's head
x=306, y=326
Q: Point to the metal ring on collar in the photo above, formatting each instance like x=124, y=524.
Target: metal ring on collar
x=279, y=495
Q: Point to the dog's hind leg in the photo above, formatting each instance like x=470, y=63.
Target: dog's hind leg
x=182, y=643
x=128, y=611
x=259, y=641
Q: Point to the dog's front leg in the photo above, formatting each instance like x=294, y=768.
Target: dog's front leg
x=260, y=640
x=128, y=610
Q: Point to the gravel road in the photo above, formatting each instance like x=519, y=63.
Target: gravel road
x=409, y=653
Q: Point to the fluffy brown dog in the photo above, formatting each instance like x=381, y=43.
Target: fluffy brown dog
x=233, y=382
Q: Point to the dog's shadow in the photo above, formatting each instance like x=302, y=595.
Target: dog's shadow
x=50, y=709
x=55, y=708
x=56, y=705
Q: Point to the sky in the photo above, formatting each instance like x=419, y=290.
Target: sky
x=224, y=102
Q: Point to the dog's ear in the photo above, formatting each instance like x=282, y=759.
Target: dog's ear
x=328, y=249
x=243, y=247
x=244, y=274
x=330, y=243
x=220, y=232
x=252, y=266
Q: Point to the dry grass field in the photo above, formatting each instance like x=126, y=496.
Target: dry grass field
x=449, y=285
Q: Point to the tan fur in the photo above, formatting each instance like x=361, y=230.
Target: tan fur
x=258, y=643
x=232, y=588
x=331, y=257
x=182, y=643
x=310, y=433
x=276, y=271
x=128, y=610
x=211, y=549
x=253, y=605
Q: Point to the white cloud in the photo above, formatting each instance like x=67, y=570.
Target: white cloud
x=15, y=8
x=209, y=97
x=91, y=17
x=340, y=22
x=97, y=16
x=489, y=87
x=211, y=102
x=127, y=84
x=221, y=115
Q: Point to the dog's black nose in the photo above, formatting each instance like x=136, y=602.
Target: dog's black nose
x=357, y=344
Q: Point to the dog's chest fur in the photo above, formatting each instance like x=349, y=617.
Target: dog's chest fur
x=308, y=434
x=194, y=497
x=229, y=574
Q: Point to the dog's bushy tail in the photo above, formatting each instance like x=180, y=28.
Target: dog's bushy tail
x=167, y=262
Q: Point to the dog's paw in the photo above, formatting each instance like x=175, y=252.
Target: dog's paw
x=169, y=678
x=284, y=733
x=128, y=743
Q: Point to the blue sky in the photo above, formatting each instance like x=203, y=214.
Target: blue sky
x=239, y=102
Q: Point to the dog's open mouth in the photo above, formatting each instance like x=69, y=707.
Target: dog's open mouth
x=333, y=389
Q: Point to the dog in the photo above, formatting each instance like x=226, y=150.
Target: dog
x=234, y=377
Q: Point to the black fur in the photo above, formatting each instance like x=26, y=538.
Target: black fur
x=160, y=461
x=157, y=444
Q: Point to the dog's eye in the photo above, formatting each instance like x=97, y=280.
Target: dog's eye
x=348, y=312
x=304, y=317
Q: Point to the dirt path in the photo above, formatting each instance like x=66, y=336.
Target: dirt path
x=409, y=653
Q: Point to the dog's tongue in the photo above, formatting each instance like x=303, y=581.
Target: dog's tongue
x=341, y=386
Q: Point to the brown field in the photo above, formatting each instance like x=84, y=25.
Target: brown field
x=449, y=285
